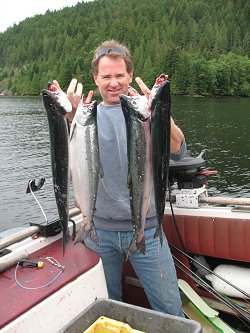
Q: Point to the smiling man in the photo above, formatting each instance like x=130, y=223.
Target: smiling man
x=113, y=72
x=112, y=75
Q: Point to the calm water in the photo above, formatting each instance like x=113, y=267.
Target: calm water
x=219, y=125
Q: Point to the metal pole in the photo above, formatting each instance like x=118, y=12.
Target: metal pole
x=20, y=235
x=225, y=201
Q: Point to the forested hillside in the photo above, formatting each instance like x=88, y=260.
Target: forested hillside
x=203, y=45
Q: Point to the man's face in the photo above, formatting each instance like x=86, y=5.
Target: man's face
x=112, y=79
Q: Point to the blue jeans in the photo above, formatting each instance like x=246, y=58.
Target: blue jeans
x=155, y=269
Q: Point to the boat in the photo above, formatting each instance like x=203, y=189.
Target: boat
x=37, y=282
x=205, y=234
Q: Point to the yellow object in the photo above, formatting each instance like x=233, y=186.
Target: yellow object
x=107, y=325
x=40, y=264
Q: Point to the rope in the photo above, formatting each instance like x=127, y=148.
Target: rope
x=52, y=261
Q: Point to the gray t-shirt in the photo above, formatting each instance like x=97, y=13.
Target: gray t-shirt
x=112, y=203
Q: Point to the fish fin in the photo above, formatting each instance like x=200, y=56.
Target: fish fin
x=72, y=129
x=158, y=233
x=132, y=248
x=136, y=246
x=93, y=236
x=129, y=180
x=83, y=234
x=80, y=236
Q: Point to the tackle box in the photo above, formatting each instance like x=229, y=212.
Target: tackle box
x=138, y=318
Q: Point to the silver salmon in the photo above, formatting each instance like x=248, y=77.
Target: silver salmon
x=57, y=105
x=85, y=166
x=137, y=119
x=160, y=138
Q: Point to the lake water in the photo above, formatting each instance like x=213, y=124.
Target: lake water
x=221, y=126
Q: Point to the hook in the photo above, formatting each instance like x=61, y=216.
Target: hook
x=32, y=187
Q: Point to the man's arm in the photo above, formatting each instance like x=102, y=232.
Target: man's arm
x=178, y=148
x=176, y=138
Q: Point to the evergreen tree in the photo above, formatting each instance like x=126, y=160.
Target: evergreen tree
x=203, y=46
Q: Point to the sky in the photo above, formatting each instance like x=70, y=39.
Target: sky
x=14, y=11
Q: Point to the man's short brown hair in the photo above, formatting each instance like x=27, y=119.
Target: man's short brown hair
x=114, y=50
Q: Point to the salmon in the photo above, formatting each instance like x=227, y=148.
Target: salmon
x=57, y=105
x=160, y=140
x=137, y=119
x=85, y=166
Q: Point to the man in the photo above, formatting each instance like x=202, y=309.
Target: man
x=113, y=72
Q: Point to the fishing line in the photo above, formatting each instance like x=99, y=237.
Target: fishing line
x=111, y=194
x=40, y=206
x=51, y=260
x=217, y=295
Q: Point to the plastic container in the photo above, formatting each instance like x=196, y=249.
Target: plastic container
x=138, y=318
x=107, y=325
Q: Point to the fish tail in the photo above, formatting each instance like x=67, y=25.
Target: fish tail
x=141, y=246
x=136, y=246
x=158, y=233
x=93, y=235
x=82, y=234
x=132, y=248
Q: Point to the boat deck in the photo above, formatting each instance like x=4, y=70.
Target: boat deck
x=77, y=260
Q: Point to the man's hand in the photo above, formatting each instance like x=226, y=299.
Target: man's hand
x=177, y=135
x=146, y=91
x=74, y=95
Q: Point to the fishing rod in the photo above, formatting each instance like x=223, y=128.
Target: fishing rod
x=173, y=216
x=236, y=308
x=210, y=271
x=184, y=252
x=201, y=282
x=204, y=284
